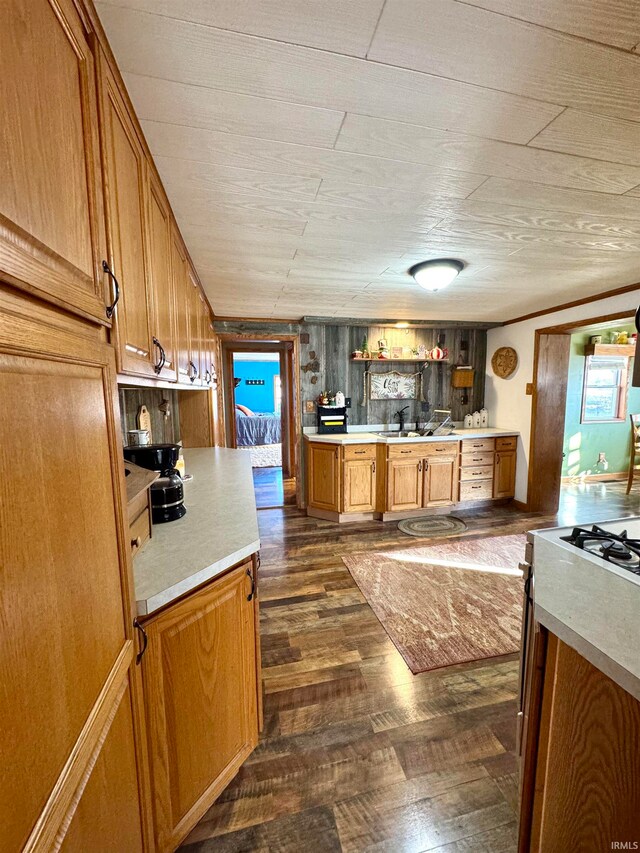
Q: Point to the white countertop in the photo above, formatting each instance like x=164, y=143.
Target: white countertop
x=592, y=605
x=373, y=438
x=219, y=529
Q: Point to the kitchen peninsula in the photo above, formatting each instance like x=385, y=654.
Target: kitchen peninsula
x=364, y=475
x=196, y=596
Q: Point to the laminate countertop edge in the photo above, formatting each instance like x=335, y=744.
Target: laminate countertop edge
x=373, y=438
x=219, y=530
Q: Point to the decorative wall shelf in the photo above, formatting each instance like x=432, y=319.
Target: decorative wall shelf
x=623, y=350
x=402, y=360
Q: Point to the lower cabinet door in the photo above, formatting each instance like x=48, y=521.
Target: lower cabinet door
x=404, y=484
x=359, y=485
x=199, y=675
x=324, y=476
x=504, y=474
x=107, y=818
x=440, y=481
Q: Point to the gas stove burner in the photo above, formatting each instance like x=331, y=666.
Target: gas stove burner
x=615, y=548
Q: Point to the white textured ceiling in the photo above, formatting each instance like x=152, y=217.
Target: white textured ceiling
x=313, y=150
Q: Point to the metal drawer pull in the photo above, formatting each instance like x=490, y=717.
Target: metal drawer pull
x=195, y=371
x=373, y=468
x=476, y=487
x=137, y=542
x=253, y=584
x=359, y=451
x=145, y=640
x=111, y=308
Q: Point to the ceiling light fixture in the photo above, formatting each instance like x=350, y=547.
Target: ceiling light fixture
x=436, y=274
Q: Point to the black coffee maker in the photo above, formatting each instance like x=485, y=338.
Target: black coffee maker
x=167, y=493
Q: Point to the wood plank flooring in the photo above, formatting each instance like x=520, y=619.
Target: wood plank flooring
x=357, y=753
x=271, y=489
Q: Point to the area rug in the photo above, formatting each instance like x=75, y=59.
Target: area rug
x=432, y=525
x=449, y=603
x=265, y=455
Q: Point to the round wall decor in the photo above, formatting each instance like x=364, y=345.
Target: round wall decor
x=504, y=361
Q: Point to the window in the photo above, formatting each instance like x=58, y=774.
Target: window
x=604, y=396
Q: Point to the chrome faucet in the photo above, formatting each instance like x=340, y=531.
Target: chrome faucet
x=400, y=416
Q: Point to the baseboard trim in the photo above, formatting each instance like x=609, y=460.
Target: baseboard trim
x=595, y=478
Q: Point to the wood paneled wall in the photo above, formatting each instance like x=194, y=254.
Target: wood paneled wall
x=336, y=371
x=162, y=430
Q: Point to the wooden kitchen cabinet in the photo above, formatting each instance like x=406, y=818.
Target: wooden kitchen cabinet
x=162, y=281
x=504, y=474
x=125, y=177
x=580, y=778
x=201, y=678
x=68, y=656
x=195, y=304
x=324, y=476
x=359, y=485
x=51, y=218
x=404, y=483
x=107, y=817
x=182, y=300
x=440, y=487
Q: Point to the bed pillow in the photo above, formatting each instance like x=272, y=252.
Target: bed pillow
x=245, y=410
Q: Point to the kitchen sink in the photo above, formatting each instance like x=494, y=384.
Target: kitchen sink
x=394, y=433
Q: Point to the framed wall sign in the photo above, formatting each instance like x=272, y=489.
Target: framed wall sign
x=394, y=386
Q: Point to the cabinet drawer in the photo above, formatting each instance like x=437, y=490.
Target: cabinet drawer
x=481, y=472
x=140, y=531
x=482, y=491
x=508, y=443
x=360, y=451
x=137, y=505
x=441, y=448
x=470, y=445
x=474, y=459
x=407, y=450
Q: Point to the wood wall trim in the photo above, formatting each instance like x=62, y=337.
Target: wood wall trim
x=596, y=298
x=60, y=807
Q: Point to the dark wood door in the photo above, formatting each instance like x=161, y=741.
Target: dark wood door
x=547, y=428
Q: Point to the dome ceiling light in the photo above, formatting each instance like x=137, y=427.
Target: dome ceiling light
x=436, y=274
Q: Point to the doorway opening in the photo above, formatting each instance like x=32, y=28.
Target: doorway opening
x=260, y=392
x=581, y=430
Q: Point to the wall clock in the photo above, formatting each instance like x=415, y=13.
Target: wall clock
x=504, y=361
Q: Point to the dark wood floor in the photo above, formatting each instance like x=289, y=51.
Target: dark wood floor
x=357, y=753
x=271, y=490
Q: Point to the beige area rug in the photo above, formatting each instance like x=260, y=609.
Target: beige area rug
x=265, y=455
x=446, y=604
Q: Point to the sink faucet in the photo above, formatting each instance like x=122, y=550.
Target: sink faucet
x=400, y=416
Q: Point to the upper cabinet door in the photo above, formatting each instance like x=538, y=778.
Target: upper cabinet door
x=162, y=282
x=195, y=328
x=51, y=220
x=182, y=290
x=124, y=166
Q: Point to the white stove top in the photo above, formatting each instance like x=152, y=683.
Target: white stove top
x=614, y=525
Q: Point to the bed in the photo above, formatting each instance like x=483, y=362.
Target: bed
x=257, y=428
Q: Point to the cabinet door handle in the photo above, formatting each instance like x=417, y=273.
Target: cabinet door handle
x=420, y=465
x=160, y=363
x=192, y=376
x=498, y=458
x=145, y=640
x=207, y=377
x=137, y=542
x=253, y=584
x=111, y=308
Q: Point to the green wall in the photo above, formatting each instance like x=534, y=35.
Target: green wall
x=583, y=442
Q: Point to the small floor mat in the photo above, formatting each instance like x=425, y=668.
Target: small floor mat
x=432, y=525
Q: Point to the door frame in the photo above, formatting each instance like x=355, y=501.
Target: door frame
x=289, y=348
x=541, y=460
